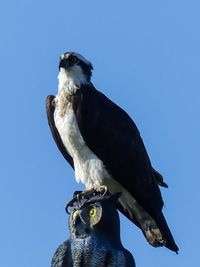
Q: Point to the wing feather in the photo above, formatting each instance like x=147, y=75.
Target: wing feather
x=112, y=135
x=50, y=108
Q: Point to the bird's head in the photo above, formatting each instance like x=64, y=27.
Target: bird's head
x=74, y=69
x=94, y=216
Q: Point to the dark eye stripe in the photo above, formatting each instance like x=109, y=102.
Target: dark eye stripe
x=74, y=59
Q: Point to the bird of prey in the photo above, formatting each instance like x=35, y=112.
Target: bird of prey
x=94, y=237
x=103, y=145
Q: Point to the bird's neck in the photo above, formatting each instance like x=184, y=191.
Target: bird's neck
x=72, y=80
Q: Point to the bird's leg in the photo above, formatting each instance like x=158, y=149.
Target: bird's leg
x=102, y=190
x=78, y=195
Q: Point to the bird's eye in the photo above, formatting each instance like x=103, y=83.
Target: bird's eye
x=74, y=59
x=92, y=212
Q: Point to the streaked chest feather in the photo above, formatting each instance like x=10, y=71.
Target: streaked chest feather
x=89, y=169
x=91, y=252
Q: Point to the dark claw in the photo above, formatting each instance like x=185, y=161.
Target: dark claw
x=86, y=194
x=76, y=193
x=73, y=200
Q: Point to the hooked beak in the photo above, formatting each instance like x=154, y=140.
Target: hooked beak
x=80, y=227
x=64, y=63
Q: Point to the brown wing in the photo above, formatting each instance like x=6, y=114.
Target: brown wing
x=50, y=108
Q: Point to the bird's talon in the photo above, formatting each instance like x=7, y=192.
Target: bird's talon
x=78, y=196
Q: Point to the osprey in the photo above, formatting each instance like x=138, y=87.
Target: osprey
x=103, y=145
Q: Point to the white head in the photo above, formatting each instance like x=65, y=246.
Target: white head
x=74, y=70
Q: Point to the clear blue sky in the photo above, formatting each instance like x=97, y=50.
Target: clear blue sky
x=146, y=58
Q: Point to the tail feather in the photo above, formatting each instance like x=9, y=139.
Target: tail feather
x=162, y=224
x=159, y=178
